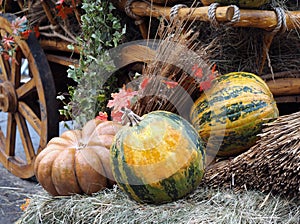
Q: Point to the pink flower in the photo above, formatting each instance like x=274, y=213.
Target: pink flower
x=8, y=42
x=121, y=99
x=19, y=25
x=116, y=116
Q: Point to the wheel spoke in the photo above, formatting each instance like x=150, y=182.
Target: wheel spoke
x=25, y=88
x=2, y=141
x=10, y=135
x=30, y=116
x=25, y=137
x=16, y=68
x=4, y=68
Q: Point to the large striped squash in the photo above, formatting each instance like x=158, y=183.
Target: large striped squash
x=159, y=160
x=231, y=113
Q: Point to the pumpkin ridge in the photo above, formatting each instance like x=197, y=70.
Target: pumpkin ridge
x=106, y=172
x=72, y=184
x=90, y=178
x=47, y=182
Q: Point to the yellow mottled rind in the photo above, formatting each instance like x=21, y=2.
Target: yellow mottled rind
x=230, y=115
x=160, y=160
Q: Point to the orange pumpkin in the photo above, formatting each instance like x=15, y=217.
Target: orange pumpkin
x=78, y=161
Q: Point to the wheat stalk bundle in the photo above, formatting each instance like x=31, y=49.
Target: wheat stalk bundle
x=272, y=165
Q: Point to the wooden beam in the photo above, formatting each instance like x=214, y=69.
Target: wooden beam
x=66, y=61
x=284, y=86
x=58, y=46
x=263, y=19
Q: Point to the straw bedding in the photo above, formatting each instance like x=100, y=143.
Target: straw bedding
x=202, y=206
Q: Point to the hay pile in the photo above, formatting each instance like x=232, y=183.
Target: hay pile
x=202, y=206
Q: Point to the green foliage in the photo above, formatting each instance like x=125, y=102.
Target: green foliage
x=101, y=30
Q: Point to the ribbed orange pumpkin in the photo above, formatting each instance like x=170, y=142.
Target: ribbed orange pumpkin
x=78, y=161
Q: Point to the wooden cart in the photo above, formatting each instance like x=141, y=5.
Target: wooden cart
x=30, y=104
x=30, y=81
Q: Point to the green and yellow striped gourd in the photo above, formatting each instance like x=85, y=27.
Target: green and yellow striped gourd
x=159, y=160
x=231, y=113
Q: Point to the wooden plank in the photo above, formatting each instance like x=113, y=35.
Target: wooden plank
x=284, y=86
x=66, y=61
x=287, y=99
x=58, y=46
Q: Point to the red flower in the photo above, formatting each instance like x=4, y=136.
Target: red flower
x=195, y=67
x=205, y=85
x=36, y=31
x=213, y=70
x=170, y=84
x=198, y=72
x=63, y=11
x=144, y=83
x=26, y=34
x=102, y=116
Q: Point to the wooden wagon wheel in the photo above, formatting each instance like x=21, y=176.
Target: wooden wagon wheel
x=28, y=105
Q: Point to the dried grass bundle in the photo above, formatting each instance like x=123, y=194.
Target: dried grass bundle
x=272, y=165
x=174, y=61
x=202, y=206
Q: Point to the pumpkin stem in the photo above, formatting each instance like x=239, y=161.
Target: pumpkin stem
x=81, y=146
x=130, y=117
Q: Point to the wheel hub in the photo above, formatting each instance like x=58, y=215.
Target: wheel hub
x=8, y=97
